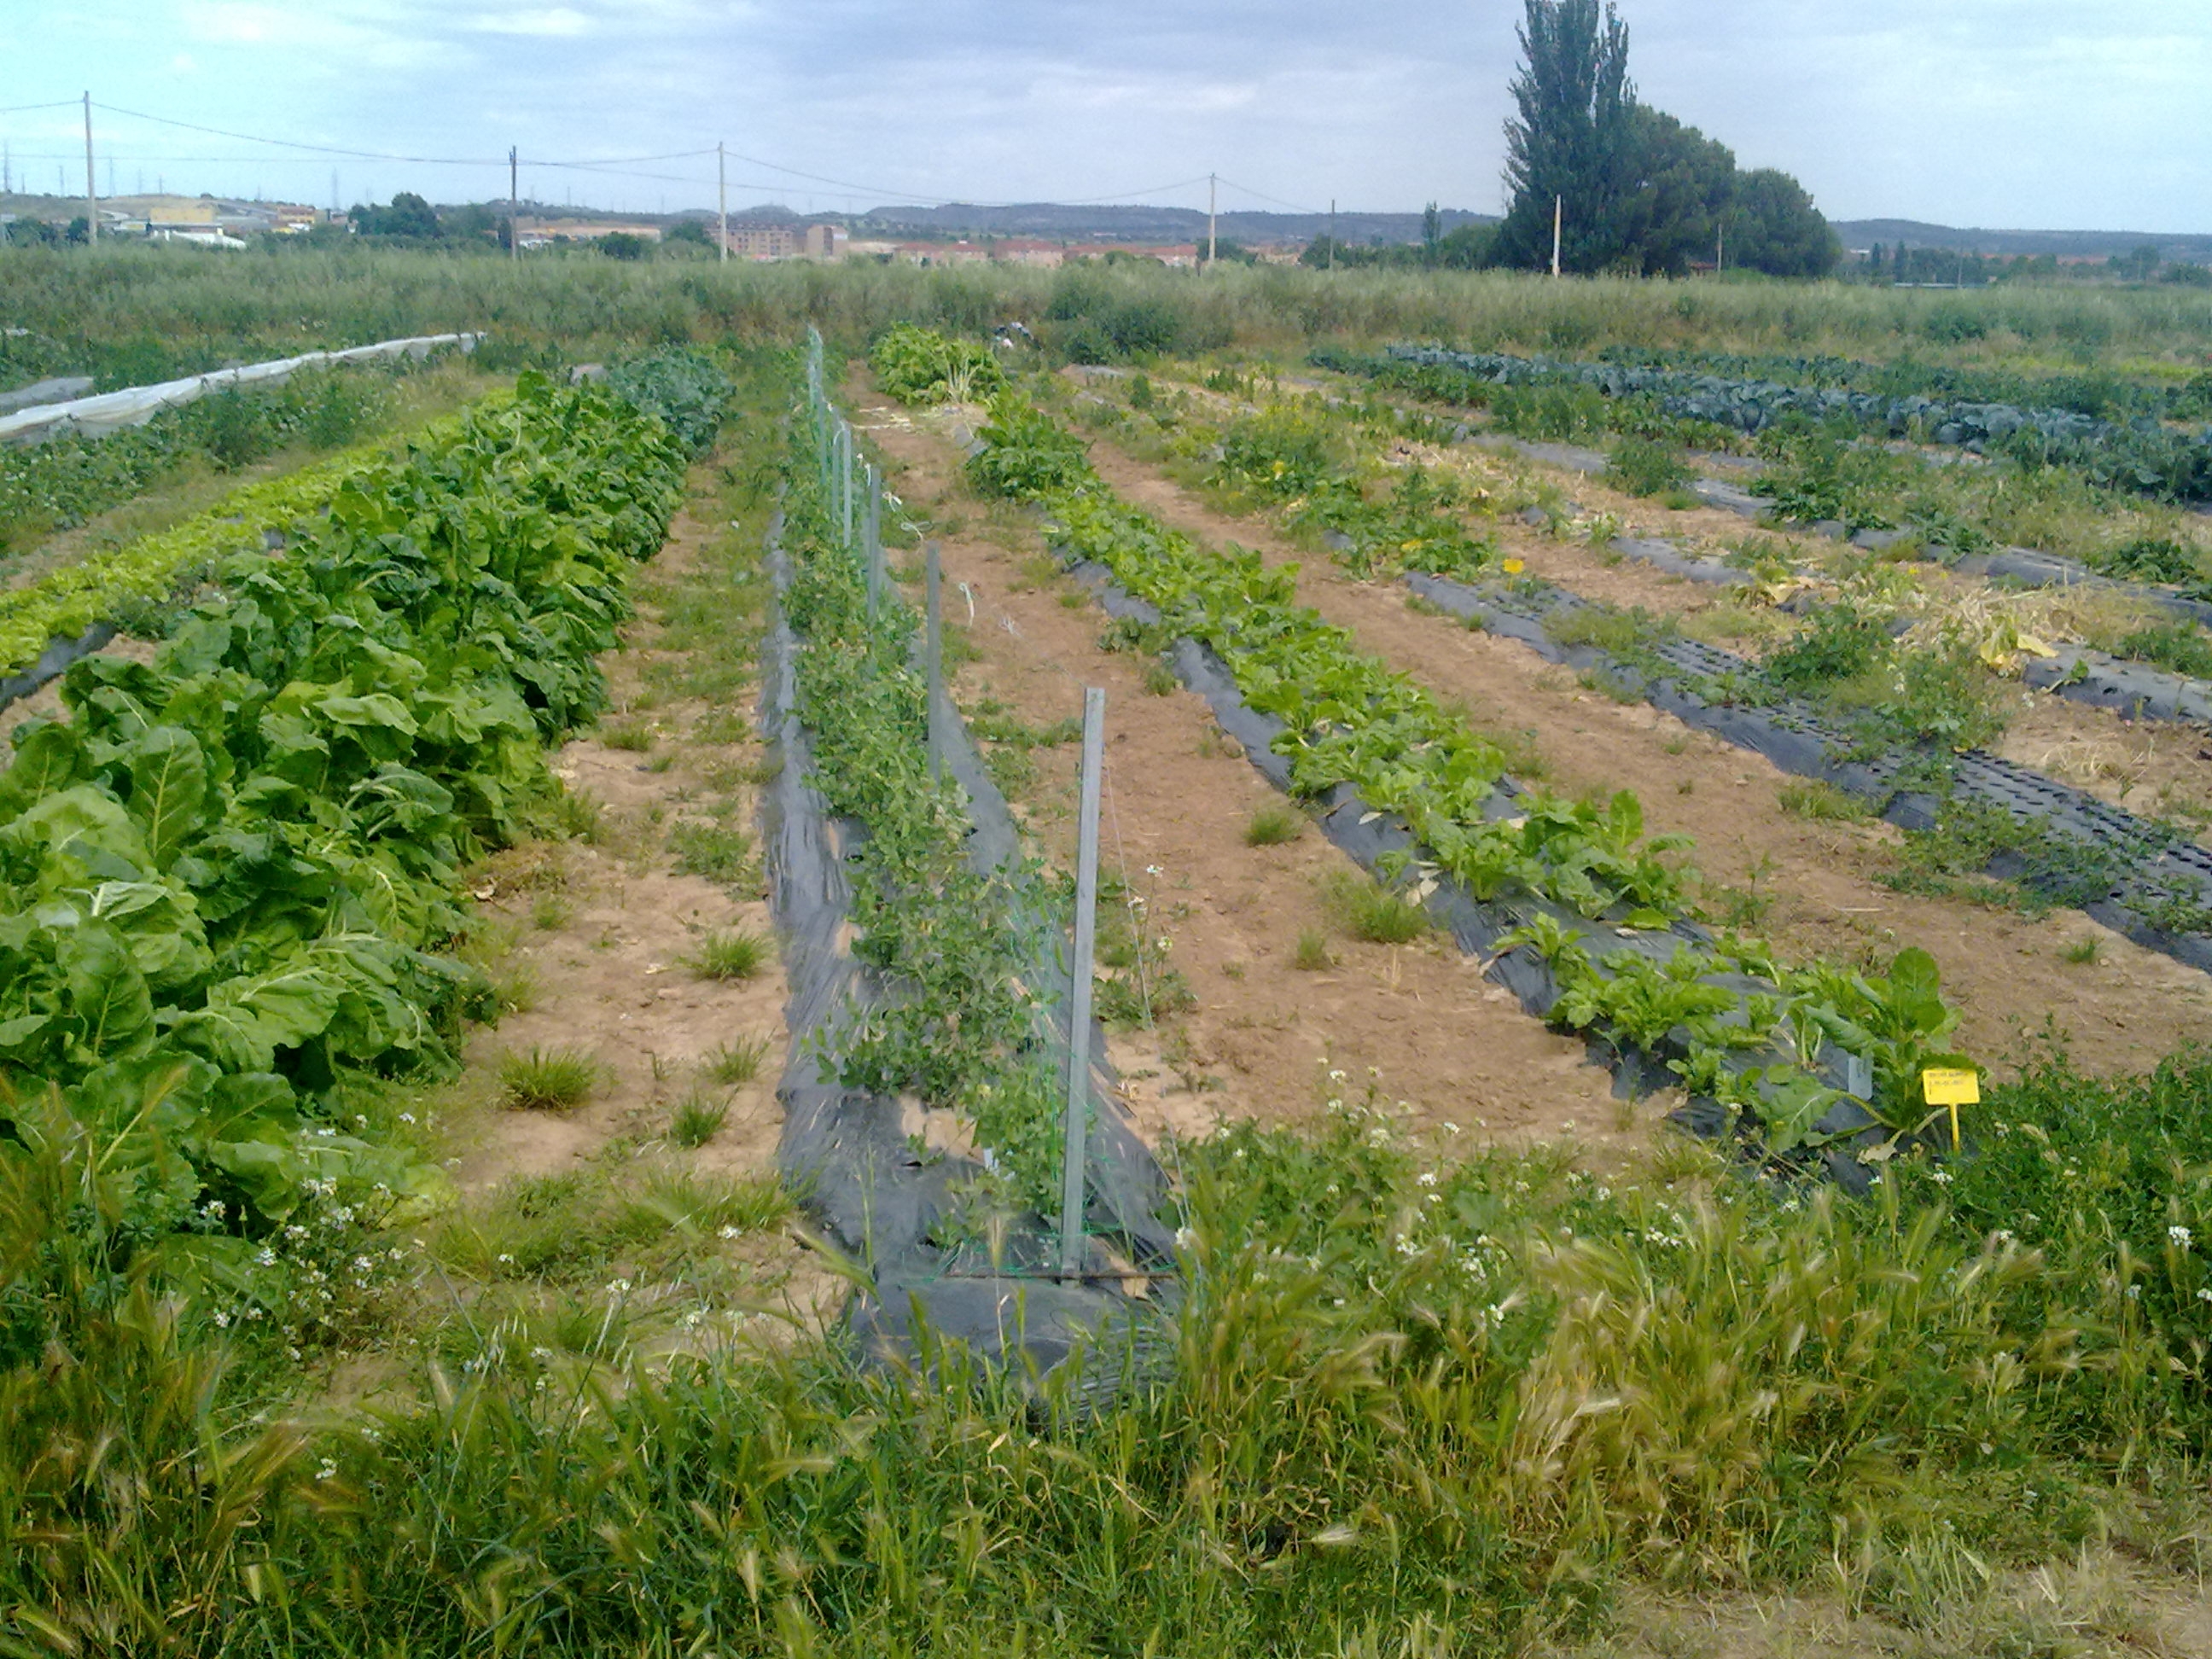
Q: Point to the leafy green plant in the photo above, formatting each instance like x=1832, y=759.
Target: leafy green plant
x=1311, y=953
x=232, y=881
x=2152, y=559
x=547, y=1080
x=918, y=365
x=1026, y=453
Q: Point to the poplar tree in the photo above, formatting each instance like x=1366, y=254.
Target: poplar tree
x=1573, y=138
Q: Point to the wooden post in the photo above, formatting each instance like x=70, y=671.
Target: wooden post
x=1075, y=1152
x=1559, y=222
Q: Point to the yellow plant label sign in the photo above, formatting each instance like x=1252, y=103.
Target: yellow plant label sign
x=1945, y=1086
x=1514, y=566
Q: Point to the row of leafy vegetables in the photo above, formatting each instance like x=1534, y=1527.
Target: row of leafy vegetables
x=964, y=1030
x=2140, y=455
x=227, y=877
x=61, y=483
x=1735, y=1024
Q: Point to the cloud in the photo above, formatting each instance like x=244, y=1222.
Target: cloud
x=560, y=22
x=2015, y=111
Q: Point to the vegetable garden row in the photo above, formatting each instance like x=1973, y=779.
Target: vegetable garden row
x=1574, y=887
x=1911, y=754
x=2142, y=455
x=227, y=877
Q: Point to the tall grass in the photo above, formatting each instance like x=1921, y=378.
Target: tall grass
x=1415, y=1404
x=279, y=297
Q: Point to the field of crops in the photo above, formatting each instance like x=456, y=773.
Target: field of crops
x=1647, y=1092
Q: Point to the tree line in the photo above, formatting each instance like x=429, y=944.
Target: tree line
x=1635, y=191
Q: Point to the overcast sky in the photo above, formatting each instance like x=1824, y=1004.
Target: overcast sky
x=2088, y=115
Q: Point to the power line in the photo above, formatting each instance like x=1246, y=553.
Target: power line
x=1293, y=206
x=611, y=165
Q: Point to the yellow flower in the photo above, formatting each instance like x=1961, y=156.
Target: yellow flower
x=1514, y=566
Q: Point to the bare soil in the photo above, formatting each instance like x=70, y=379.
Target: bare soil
x=2006, y=973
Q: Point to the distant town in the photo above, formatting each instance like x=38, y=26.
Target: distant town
x=1044, y=235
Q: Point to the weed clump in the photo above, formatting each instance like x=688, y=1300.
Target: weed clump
x=547, y=1080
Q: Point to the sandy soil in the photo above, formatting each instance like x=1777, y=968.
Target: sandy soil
x=2121, y=1014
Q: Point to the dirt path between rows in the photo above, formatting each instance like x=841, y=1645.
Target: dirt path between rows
x=2120, y=1013
x=597, y=929
x=1417, y=1025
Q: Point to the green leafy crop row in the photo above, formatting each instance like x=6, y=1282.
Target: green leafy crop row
x=963, y=1030
x=60, y=484
x=1352, y=721
x=65, y=603
x=226, y=878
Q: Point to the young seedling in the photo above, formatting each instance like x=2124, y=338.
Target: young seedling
x=1272, y=826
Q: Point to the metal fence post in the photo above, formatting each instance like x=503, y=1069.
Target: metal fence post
x=1079, y=1007
x=932, y=657
x=845, y=433
x=871, y=530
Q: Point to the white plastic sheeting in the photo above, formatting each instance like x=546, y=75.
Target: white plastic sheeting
x=95, y=417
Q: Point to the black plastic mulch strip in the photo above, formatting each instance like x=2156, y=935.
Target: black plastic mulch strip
x=846, y=1151
x=53, y=663
x=1798, y=741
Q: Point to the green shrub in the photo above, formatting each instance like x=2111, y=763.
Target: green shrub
x=1640, y=467
x=918, y=365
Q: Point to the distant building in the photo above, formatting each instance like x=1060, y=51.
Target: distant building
x=762, y=238
x=580, y=230
x=824, y=241
x=1021, y=251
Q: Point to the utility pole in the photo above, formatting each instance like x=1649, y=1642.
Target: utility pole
x=1559, y=219
x=1210, y=242
x=513, y=205
x=91, y=199
x=6, y=169
x=722, y=201
x=1332, y=233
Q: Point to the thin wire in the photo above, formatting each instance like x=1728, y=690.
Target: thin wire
x=19, y=109
x=1248, y=190
x=319, y=149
